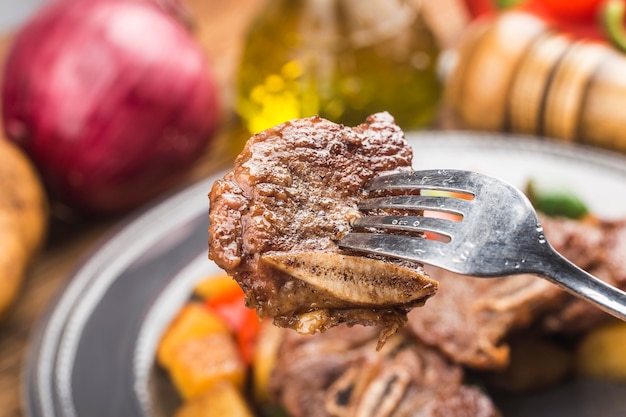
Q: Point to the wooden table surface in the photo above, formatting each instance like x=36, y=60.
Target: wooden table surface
x=221, y=26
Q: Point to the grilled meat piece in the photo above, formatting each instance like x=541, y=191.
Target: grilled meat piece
x=470, y=318
x=339, y=374
x=276, y=217
x=600, y=249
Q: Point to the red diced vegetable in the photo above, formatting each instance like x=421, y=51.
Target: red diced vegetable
x=242, y=321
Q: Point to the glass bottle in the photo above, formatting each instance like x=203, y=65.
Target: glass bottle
x=340, y=59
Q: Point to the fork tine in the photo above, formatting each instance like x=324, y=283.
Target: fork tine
x=408, y=223
x=439, y=179
x=396, y=246
x=418, y=202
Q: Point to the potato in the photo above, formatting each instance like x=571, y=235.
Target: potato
x=200, y=363
x=221, y=400
x=23, y=219
x=14, y=260
x=193, y=321
x=601, y=353
x=535, y=365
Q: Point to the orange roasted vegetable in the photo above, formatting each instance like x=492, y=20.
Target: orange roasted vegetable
x=217, y=287
x=193, y=321
x=199, y=364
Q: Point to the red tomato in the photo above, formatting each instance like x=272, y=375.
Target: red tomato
x=573, y=10
x=576, y=17
x=242, y=321
x=247, y=335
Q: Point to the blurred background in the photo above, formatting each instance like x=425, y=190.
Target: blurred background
x=13, y=13
x=87, y=97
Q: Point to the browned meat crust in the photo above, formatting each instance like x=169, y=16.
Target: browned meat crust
x=339, y=374
x=276, y=217
x=600, y=249
x=470, y=318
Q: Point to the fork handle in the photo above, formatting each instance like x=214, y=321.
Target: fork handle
x=582, y=284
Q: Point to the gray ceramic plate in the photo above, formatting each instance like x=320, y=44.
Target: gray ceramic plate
x=92, y=354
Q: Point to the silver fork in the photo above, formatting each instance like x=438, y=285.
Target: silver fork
x=499, y=233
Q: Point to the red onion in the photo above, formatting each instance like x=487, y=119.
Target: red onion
x=112, y=99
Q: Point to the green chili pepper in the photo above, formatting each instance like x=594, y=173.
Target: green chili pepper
x=506, y=4
x=613, y=22
x=555, y=199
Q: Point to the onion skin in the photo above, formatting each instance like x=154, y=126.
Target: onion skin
x=112, y=99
